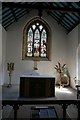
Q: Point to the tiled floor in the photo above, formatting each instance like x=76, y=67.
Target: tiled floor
x=66, y=93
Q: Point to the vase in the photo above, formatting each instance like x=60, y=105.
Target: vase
x=64, y=80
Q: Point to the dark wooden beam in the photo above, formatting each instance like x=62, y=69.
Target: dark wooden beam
x=61, y=18
x=13, y=14
x=52, y=16
x=21, y=15
x=63, y=14
x=65, y=26
x=70, y=20
x=65, y=20
x=71, y=17
x=6, y=26
x=55, y=17
x=5, y=10
x=7, y=22
x=5, y=15
x=39, y=6
x=77, y=23
x=78, y=16
x=7, y=18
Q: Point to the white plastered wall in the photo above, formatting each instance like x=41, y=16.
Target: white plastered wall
x=4, y=68
x=72, y=39
x=79, y=54
x=0, y=54
x=14, y=49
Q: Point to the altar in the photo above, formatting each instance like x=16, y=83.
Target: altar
x=37, y=86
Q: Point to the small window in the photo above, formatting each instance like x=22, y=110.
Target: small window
x=35, y=39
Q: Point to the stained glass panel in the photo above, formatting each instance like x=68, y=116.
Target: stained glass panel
x=33, y=26
x=37, y=34
x=30, y=42
x=36, y=42
x=37, y=23
x=43, y=43
x=40, y=27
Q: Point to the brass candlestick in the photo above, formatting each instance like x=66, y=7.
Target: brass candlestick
x=10, y=68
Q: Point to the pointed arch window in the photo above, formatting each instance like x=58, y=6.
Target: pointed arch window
x=35, y=40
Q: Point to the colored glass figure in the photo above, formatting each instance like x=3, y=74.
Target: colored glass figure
x=43, y=43
x=29, y=42
x=37, y=34
x=36, y=42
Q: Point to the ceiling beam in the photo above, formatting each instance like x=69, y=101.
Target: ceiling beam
x=74, y=26
x=39, y=6
x=61, y=18
x=63, y=14
x=13, y=14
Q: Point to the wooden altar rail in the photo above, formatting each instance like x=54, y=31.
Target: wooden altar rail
x=64, y=103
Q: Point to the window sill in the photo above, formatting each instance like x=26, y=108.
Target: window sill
x=38, y=58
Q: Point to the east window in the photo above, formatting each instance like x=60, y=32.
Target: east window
x=35, y=39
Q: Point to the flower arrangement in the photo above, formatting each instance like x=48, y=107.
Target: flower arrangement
x=64, y=75
x=60, y=68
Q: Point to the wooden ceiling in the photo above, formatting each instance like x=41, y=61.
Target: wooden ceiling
x=66, y=14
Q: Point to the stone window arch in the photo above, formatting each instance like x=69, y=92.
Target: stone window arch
x=36, y=36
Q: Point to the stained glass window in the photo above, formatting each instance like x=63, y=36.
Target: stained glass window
x=35, y=40
x=43, y=43
x=36, y=43
x=30, y=42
